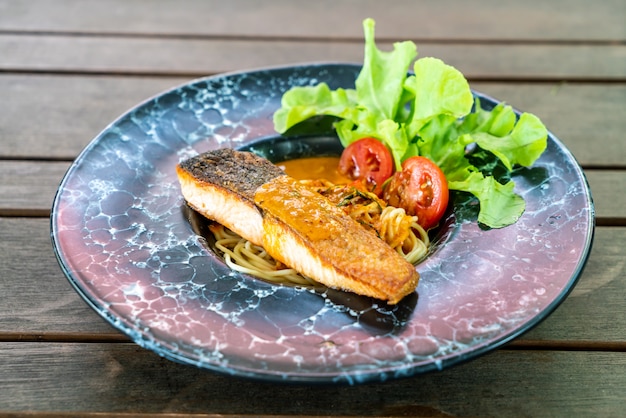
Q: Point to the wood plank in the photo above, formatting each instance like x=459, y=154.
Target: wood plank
x=198, y=57
x=605, y=187
x=28, y=188
x=35, y=295
x=123, y=378
x=56, y=117
x=37, y=298
x=71, y=110
x=447, y=19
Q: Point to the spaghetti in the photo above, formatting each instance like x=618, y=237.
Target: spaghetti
x=391, y=224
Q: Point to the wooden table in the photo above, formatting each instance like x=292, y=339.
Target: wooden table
x=70, y=67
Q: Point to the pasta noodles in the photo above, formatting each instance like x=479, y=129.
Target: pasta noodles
x=391, y=224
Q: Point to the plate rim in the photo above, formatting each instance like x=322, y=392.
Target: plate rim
x=355, y=375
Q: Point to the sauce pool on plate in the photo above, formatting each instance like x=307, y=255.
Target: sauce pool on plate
x=313, y=168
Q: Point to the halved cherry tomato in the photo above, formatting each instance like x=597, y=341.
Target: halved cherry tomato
x=421, y=189
x=368, y=162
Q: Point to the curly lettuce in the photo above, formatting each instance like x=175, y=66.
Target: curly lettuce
x=427, y=109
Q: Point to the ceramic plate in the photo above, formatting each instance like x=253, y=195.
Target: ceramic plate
x=126, y=242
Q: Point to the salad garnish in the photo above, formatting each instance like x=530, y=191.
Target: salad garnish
x=429, y=112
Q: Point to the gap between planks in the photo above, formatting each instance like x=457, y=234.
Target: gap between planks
x=73, y=414
x=112, y=338
x=313, y=39
x=195, y=75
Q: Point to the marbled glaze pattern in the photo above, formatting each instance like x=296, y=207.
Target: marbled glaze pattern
x=123, y=239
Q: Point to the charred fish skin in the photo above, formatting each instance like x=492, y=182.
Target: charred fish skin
x=238, y=171
x=220, y=185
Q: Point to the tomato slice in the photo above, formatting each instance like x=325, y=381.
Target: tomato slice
x=421, y=189
x=368, y=163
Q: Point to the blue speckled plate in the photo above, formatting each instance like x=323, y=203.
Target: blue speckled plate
x=125, y=241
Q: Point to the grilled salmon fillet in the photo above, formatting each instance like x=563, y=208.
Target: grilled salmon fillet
x=297, y=226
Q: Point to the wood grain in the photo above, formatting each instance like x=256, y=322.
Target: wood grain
x=571, y=20
x=69, y=68
x=28, y=189
x=605, y=186
x=587, y=118
x=123, y=378
x=198, y=57
x=37, y=298
x=35, y=295
x=70, y=111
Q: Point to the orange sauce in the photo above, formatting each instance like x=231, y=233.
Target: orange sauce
x=314, y=168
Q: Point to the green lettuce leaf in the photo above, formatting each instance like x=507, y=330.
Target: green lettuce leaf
x=301, y=103
x=427, y=113
x=380, y=84
x=499, y=205
x=438, y=89
x=521, y=146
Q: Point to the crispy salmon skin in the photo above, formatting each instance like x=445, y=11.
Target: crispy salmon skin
x=295, y=225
